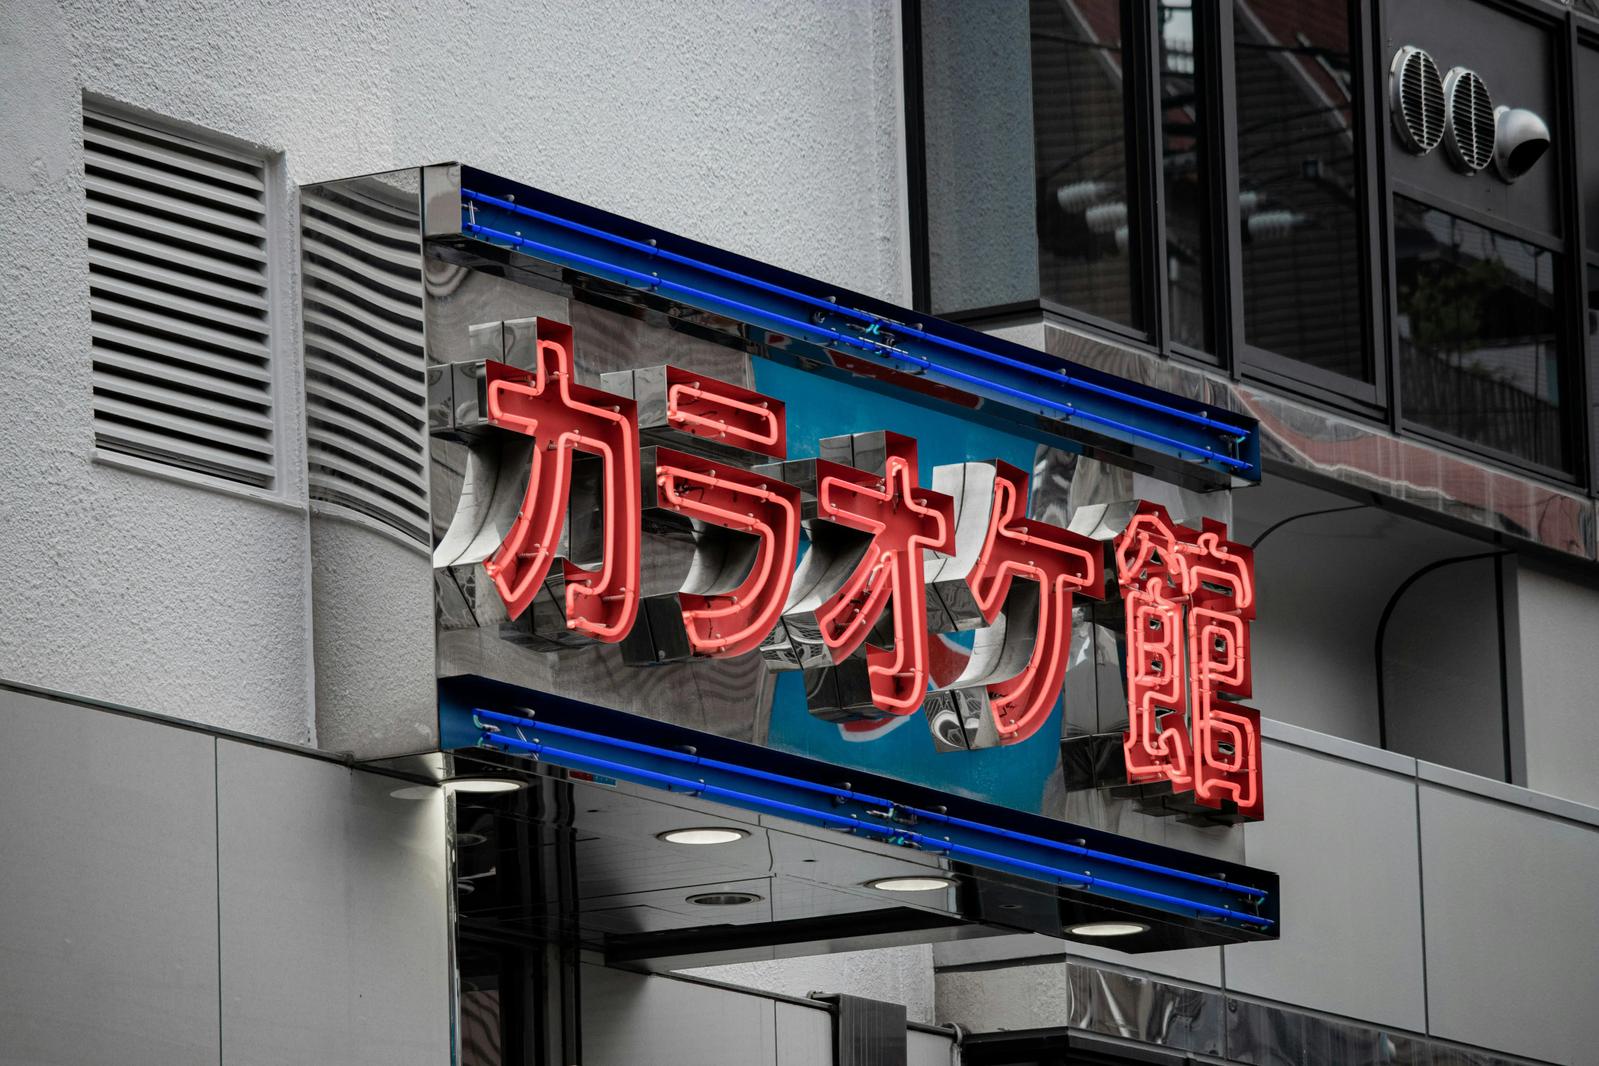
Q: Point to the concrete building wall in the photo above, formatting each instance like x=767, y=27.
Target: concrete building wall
x=770, y=129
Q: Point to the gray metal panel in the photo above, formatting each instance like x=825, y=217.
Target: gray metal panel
x=633, y=1020
x=109, y=934
x=1342, y=836
x=334, y=914
x=1512, y=926
x=928, y=1049
x=804, y=1035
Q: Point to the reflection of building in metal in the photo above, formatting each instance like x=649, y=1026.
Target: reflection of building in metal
x=365, y=406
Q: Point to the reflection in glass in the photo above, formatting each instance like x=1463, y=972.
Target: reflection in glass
x=1479, y=357
x=1298, y=194
x=1085, y=237
x=1593, y=347
x=1183, y=162
x=1587, y=75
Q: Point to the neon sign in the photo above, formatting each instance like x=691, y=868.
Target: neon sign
x=661, y=460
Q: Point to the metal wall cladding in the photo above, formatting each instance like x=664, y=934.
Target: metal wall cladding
x=1364, y=456
x=334, y=914
x=1512, y=924
x=180, y=898
x=1336, y=955
x=108, y=947
x=633, y=1020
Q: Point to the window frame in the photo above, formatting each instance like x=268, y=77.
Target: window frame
x=1370, y=399
x=1379, y=401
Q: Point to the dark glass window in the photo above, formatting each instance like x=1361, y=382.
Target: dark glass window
x=1086, y=239
x=1183, y=162
x=1588, y=121
x=1297, y=180
x=1478, y=348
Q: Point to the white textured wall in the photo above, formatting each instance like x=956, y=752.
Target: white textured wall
x=771, y=129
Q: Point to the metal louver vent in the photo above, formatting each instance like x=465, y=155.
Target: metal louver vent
x=1418, y=99
x=180, y=320
x=365, y=364
x=1470, y=126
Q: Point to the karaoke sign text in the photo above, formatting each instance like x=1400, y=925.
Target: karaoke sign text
x=665, y=453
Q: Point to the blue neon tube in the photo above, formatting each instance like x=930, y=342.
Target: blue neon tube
x=657, y=252
x=892, y=834
x=811, y=786
x=683, y=757
x=801, y=328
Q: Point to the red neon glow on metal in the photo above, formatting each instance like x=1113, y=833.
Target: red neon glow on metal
x=722, y=626
x=1060, y=562
x=717, y=410
x=1165, y=568
x=548, y=405
x=904, y=519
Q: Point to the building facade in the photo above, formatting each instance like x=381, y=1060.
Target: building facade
x=1369, y=229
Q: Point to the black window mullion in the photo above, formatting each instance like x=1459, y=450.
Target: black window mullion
x=1227, y=224
x=1146, y=210
x=1376, y=200
x=915, y=152
x=1570, y=131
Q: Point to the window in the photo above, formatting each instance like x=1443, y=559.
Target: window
x=180, y=306
x=1479, y=355
x=1086, y=239
x=1298, y=192
x=1185, y=158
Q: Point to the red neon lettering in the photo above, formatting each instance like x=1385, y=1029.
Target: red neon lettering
x=1060, y=562
x=904, y=519
x=1163, y=568
x=716, y=410
x=562, y=416
x=722, y=625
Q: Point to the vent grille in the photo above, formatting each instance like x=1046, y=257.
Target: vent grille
x=1471, y=126
x=1418, y=99
x=178, y=300
x=365, y=364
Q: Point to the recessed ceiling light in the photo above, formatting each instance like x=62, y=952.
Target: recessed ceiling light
x=414, y=792
x=482, y=785
x=910, y=884
x=470, y=840
x=724, y=899
x=1107, y=929
x=705, y=834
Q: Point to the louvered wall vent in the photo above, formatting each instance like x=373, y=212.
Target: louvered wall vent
x=178, y=299
x=365, y=365
x=1470, y=121
x=1418, y=99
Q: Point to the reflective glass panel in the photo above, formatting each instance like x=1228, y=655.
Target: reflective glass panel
x=1085, y=239
x=1588, y=117
x=982, y=242
x=1297, y=179
x=1183, y=171
x=1479, y=353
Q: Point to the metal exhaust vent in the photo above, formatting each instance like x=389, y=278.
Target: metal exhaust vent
x=1418, y=99
x=1470, y=132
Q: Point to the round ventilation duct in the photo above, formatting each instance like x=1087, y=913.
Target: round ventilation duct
x=1418, y=99
x=1469, y=120
x=1522, y=139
